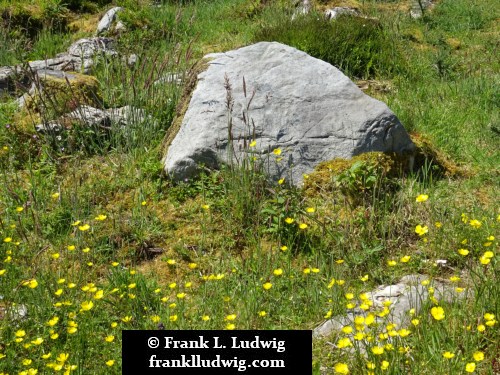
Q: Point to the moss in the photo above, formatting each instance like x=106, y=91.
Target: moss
x=33, y=17
x=182, y=107
x=322, y=179
x=386, y=165
x=58, y=96
x=427, y=153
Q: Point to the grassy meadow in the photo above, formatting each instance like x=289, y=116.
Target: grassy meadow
x=94, y=239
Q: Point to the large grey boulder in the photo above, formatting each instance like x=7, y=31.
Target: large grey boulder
x=302, y=106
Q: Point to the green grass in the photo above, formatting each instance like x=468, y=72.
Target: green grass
x=99, y=222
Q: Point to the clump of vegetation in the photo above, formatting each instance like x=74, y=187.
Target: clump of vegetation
x=360, y=47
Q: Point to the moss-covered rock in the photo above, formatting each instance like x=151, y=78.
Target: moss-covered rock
x=357, y=178
x=56, y=93
x=325, y=178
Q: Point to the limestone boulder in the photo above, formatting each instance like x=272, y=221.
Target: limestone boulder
x=289, y=103
x=407, y=294
x=107, y=20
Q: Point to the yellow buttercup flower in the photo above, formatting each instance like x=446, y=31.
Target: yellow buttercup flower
x=267, y=286
x=489, y=316
x=310, y=210
x=87, y=305
x=278, y=272
x=289, y=220
x=110, y=363
x=448, y=355
x=230, y=326
x=484, y=260
x=377, y=350
x=437, y=313
x=421, y=230
x=344, y=343
x=405, y=259
x=341, y=368
x=253, y=143
x=422, y=198
x=470, y=367
x=391, y=263
x=347, y=329
x=99, y=294
x=20, y=333
x=230, y=317
x=84, y=227
x=109, y=338
x=478, y=356
x=37, y=341
x=463, y=252
x=277, y=151
x=475, y=223
x=303, y=226
x=100, y=217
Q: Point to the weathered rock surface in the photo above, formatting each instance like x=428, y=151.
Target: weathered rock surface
x=303, y=106
x=408, y=294
x=107, y=20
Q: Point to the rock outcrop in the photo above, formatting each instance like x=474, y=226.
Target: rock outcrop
x=299, y=110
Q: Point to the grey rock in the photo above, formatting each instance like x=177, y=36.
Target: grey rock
x=302, y=105
x=93, y=117
x=15, y=311
x=334, y=13
x=80, y=57
x=120, y=27
x=303, y=8
x=408, y=294
x=87, y=48
x=49, y=128
x=90, y=116
x=127, y=115
x=419, y=7
x=107, y=20
x=169, y=78
x=132, y=59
